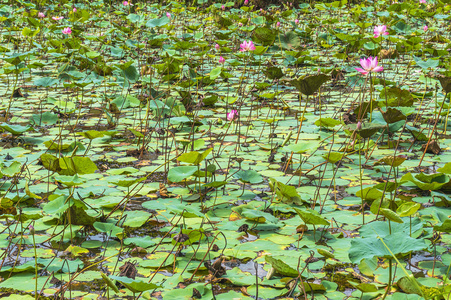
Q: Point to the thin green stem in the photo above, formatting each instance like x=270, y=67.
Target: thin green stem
x=35, y=268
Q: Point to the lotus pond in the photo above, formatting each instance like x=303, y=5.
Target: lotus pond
x=229, y=150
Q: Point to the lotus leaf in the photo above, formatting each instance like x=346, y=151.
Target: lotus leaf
x=310, y=84
x=15, y=129
x=135, y=285
x=248, y=176
x=391, y=245
x=312, y=217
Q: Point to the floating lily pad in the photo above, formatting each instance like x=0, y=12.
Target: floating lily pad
x=248, y=176
x=135, y=285
x=44, y=119
x=15, y=129
x=390, y=246
x=327, y=122
x=178, y=174
x=289, y=40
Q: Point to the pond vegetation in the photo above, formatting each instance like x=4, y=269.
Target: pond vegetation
x=225, y=150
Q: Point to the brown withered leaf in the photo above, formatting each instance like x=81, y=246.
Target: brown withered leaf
x=18, y=94
x=301, y=228
x=128, y=269
x=163, y=191
x=349, y=117
x=433, y=147
x=445, y=82
x=138, y=250
x=181, y=238
x=216, y=269
x=55, y=281
x=388, y=53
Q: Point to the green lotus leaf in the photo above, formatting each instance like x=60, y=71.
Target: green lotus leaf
x=194, y=157
x=15, y=129
x=444, y=227
x=180, y=173
x=265, y=35
x=45, y=119
x=285, y=193
x=379, y=228
x=327, y=122
x=281, y=267
x=158, y=22
x=70, y=180
x=391, y=215
x=135, y=285
x=309, y=84
x=248, y=176
x=289, y=40
x=395, y=244
x=427, y=182
x=108, y=228
x=91, y=134
x=12, y=170
x=408, y=208
x=310, y=216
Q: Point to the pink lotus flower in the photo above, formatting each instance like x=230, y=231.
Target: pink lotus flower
x=247, y=46
x=41, y=15
x=246, y=2
x=359, y=125
x=67, y=30
x=232, y=115
x=217, y=46
x=74, y=10
x=57, y=18
x=369, y=65
x=240, y=24
x=222, y=7
x=221, y=60
x=296, y=22
x=425, y=28
x=380, y=30
x=423, y=1
x=168, y=15
x=125, y=3
x=278, y=24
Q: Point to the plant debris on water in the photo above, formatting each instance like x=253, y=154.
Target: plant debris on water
x=225, y=150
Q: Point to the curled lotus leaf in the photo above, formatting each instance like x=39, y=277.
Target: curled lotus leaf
x=309, y=84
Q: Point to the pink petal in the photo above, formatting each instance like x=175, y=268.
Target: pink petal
x=378, y=69
x=365, y=63
x=373, y=62
x=361, y=71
